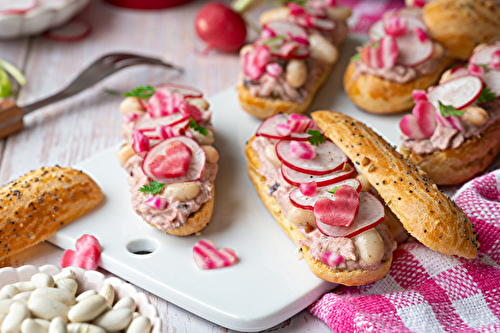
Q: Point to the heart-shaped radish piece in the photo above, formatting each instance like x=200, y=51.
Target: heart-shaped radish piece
x=86, y=256
x=395, y=25
x=250, y=68
x=328, y=159
x=296, y=178
x=141, y=142
x=262, y=56
x=268, y=129
x=206, y=255
x=305, y=201
x=156, y=203
x=422, y=36
x=475, y=70
x=283, y=129
x=339, y=212
x=382, y=56
x=412, y=51
x=459, y=92
x=186, y=91
x=492, y=81
x=308, y=189
x=450, y=121
x=370, y=214
x=485, y=55
x=164, y=102
x=168, y=162
x=189, y=110
x=301, y=150
x=422, y=123
x=419, y=95
x=331, y=259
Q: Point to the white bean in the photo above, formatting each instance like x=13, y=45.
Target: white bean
x=340, y=13
x=86, y=294
x=126, y=302
x=365, y=184
x=135, y=315
x=275, y=14
x=84, y=328
x=479, y=47
x=114, y=320
x=200, y=103
x=24, y=286
x=67, y=273
x=370, y=246
x=438, y=51
x=58, y=325
x=445, y=77
x=299, y=216
x=4, y=296
x=6, y=304
x=9, y=290
x=126, y=151
x=271, y=156
x=12, y=322
x=88, y=309
x=47, y=308
x=140, y=324
x=41, y=280
x=475, y=115
x=296, y=73
x=60, y=295
x=182, y=191
x=322, y=49
x=43, y=323
x=211, y=154
x=31, y=326
x=67, y=284
x=130, y=105
x=25, y=295
x=108, y=292
x=2, y=317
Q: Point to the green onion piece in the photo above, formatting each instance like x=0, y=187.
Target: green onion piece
x=12, y=70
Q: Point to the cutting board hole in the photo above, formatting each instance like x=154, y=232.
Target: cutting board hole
x=142, y=247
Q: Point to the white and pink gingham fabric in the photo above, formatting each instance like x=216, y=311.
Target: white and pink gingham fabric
x=426, y=291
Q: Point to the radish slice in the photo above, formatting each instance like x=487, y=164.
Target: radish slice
x=292, y=50
x=17, y=7
x=300, y=150
x=495, y=59
x=331, y=259
x=395, y=25
x=71, y=32
x=419, y=95
x=268, y=129
x=383, y=56
x=164, y=102
x=450, y=121
x=156, y=203
x=141, y=142
x=296, y=178
x=412, y=51
x=250, y=68
x=156, y=158
x=484, y=55
x=186, y=91
x=339, y=211
x=377, y=30
x=328, y=159
x=298, y=123
x=475, y=70
x=459, y=93
x=492, y=81
x=300, y=200
x=285, y=28
x=148, y=125
x=459, y=71
x=422, y=36
x=130, y=117
x=166, y=132
x=370, y=214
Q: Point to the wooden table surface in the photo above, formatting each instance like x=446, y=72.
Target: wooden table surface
x=79, y=127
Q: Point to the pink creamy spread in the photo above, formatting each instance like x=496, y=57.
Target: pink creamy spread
x=445, y=137
x=315, y=240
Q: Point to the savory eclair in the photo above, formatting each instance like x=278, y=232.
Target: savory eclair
x=399, y=58
x=286, y=66
x=454, y=131
x=168, y=156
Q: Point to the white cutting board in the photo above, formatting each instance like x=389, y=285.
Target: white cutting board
x=268, y=284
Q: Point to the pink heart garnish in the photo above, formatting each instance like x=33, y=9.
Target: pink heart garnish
x=383, y=56
x=206, y=255
x=86, y=256
x=341, y=211
x=174, y=164
x=422, y=123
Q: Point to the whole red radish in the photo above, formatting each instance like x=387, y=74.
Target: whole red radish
x=221, y=27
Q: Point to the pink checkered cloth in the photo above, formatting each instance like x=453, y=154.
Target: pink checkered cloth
x=426, y=291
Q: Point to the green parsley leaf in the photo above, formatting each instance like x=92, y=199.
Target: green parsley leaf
x=315, y=137
x=5, y=87
x=486, y=69
x=274, y=39
x=355, y=57
x=448, y=110
x=154, y=188
x=333, y=190
x=194, y=125
x=486, y=96
x=376, y=44
x=141, y=92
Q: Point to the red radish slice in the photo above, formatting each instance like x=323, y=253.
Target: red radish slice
x=370, y=214
x=262, y=56
x=459, y=93
x=18, y=7
x=377, y=30
x=300, y=200
x=164, y=102
x=70, y=32
x=492, y=81
x=339, y=211
x=148, y=125
x=422, y=36
x=331, y=259
x=383, y=56
x=186, y=91
x=450, y=121
x=296, y=178
x=395, y=25
x=166, y=132
x=475, y=70
x=190, y=111
x=285, y=28
x=130, y=117
x=283, y=129
x=156, y=203
x=292, y=50
x=328, y=159
x=419, y=95
x=267, y=33
x=295, y=9
x=412, y=51
x=484, y=55
x=459, y=71
x=175, y=162
x=156, y=163
x=268, y=129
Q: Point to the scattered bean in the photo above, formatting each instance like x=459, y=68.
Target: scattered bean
x=9, y=290
x=114, y=320
x=41, y=280
x=140, y=324
x=31, y=326
x=24, y=286
x=127, y=303
x=84, y=328
x=67, y=284
x=12, y=322
x=61, y=295
x=67, y=273
x=86, y=294
x=47, y=308
x=88, y=309
x=58, y=325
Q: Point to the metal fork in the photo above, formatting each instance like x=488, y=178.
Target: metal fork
x=11, y=115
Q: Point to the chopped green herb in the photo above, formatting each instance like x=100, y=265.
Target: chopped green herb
x=273, y=40
x=5, y=89
x=106, y=91
x=298, y=2
x=356, y=57
x=141, y=92
x=486, y=96
x=335, y=188
x=448, y=110
x=194, y=125
x=376, y=44
x=154, y=188
x=486, y=69
x=5, y=84
x=315, y=137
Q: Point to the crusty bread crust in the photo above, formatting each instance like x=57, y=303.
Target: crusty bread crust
x=267, y=107
x=460, y=25
x=196, y=221
x=376, y=95
x=348, y=278
x=455, y=166
x=37, y=204
x=425, y=212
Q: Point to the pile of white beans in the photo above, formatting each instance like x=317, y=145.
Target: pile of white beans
x=48, y=304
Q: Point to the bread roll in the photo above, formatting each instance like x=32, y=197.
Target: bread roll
x=35, y=205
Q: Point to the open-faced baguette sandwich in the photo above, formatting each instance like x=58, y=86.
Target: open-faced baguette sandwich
x=286, y=66
x=399, y=58
x=37, y=204
x=168, y=156
x=454, y=131
x=332, y=213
